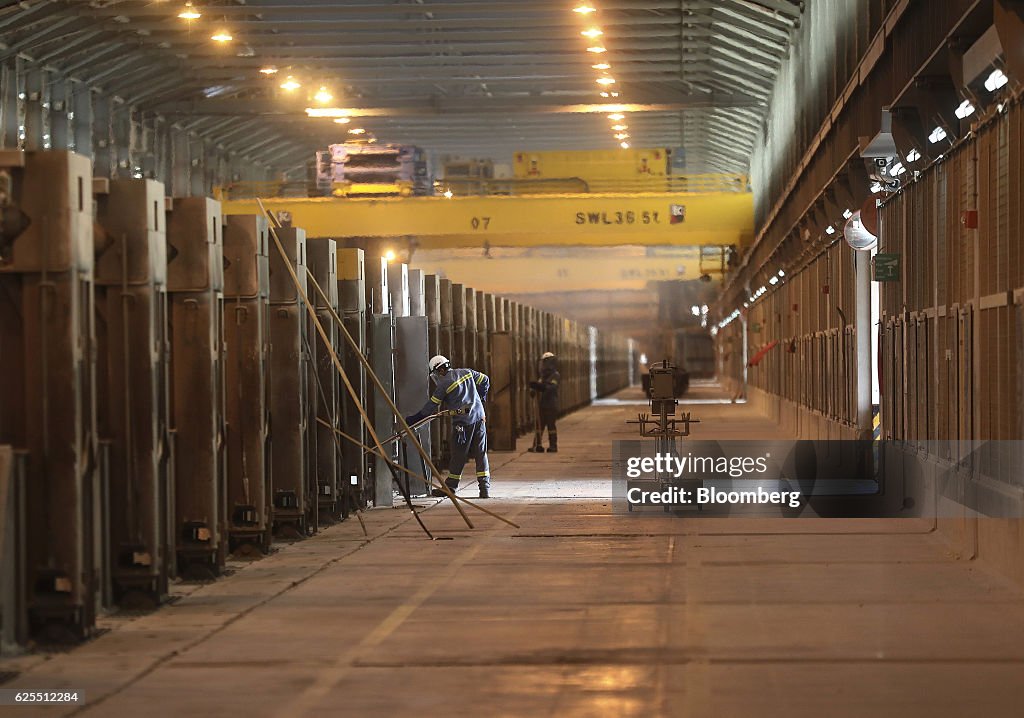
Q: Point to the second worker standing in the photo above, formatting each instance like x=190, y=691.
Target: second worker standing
x=546, y=389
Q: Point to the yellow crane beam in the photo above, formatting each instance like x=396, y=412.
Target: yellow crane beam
x=529, y=275
x=718, y=218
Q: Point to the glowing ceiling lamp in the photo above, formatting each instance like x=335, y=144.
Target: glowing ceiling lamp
x=597, y=49
x=592, y=32
x=291, y=84
x=996, y=80
x=222, y=36
x=342, y=120
x=189, y=13
x=615, y=117
x=269, y=70
x=964, y=110
x=624, y=145
x=937, y=135
x=323, y=96
x=584, y=9
x=602, y=66
x=357, y=131
x=606, y=81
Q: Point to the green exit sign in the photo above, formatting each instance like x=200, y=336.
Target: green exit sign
x=885, y=268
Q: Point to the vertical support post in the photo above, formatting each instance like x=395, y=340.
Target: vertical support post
x=862, y=331
x=352, y=299
x=164, y=152
x=744, y=354
x=195, y=282
x=9, y=83
x=246, y=377
x=131, y=384
x=121, y=120
x=103, y=153
x=180, y=163
x=197, y=174
x=59, y=126
x=47, y=392
x=289, y=386
x=34, y=81
x=83, y=124
x=149, y=147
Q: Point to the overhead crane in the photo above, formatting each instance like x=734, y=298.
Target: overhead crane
x=592, y=219
x=579, y=271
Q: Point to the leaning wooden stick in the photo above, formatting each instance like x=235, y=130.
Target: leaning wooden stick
x=434, y=472
x=334, y=437
x=417, y=425
x=330, y=349
x=274, y=225
x=357, y=351
x=412, y=473
x=387, y=397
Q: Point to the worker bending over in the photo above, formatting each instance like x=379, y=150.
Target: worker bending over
x=546, y=388
x=461, y=392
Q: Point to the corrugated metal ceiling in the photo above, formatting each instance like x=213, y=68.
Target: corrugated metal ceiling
x=454, y=76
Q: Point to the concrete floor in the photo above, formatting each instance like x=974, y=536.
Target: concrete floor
x=577, y=613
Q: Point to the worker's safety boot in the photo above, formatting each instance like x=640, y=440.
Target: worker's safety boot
x=537, y=447
x=452, y=484
x=552, y=443
x=485, y=490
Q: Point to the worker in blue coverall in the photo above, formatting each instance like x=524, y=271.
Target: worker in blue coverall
x=461, y=392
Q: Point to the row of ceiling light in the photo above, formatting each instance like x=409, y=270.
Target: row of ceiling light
x=323, y=96
x=605, y=80
x=995, y=81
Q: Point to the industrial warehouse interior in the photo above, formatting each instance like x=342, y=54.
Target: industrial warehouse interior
x=512, y=358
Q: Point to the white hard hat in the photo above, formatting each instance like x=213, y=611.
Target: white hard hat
x=438, y=361
x=546, y=355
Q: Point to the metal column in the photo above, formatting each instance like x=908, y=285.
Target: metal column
x=246, y=381
x=59, y=125
x=470, y=348
x=132, y=384
x=322, y=260
x=83, y=124
x=195, y=281
x=412, y=382
x=458, y=355
x=13, y=520
x=432, y=307
x=398, y=289
x=863, y=331
x=288, y=387
x=352, y=299
x=46, y=388
x=35, y=80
